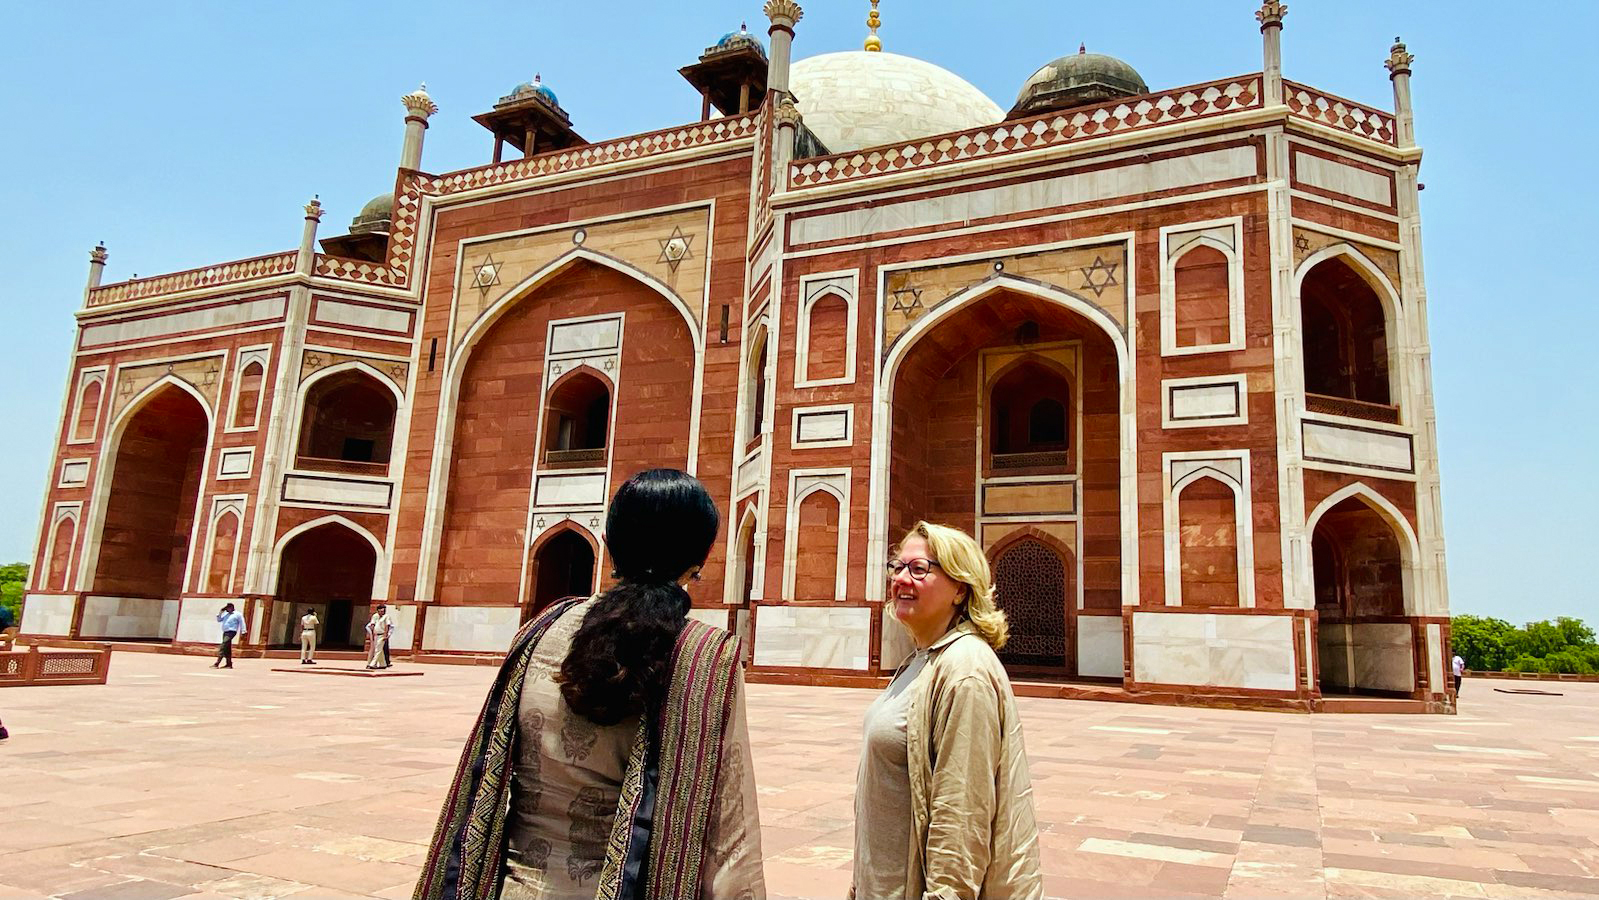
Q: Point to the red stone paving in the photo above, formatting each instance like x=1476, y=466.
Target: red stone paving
x=174, y=780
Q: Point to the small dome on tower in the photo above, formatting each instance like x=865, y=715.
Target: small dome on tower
x=529, y=88
x=375, y=216
x=1080, y=79
x=740, y=38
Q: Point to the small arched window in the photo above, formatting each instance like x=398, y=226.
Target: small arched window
x=247, y=403
x=1046, y=423
x=1345, y=340
x=578, y=421
x=755, y=389
x=348, y=424
x=1029, y=425
x=88, y=411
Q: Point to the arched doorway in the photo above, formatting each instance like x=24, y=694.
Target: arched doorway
x=328, y=568
x=1358, y=575
x=148, y=524
x=1032, y=587
x=563, y=566
x=347, y=424
x=1006, y=415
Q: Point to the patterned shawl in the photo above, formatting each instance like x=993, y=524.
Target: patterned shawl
x=657, y=845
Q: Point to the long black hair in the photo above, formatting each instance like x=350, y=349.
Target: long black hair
x=661, y=525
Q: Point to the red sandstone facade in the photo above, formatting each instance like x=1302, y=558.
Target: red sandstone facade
x=1166, y=356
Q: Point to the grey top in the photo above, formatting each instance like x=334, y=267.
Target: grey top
x=883, y=791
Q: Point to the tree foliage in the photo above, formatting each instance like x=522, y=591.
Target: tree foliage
x=12, y=579
x=1565, y=645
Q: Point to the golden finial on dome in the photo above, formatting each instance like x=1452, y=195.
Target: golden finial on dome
x=874, y=44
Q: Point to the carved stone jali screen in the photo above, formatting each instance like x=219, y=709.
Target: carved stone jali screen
x=1030, y=580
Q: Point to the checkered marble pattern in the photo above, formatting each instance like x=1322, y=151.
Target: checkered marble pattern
x=357, y=270
x=210, y=276
x=1336, y=112
x=174, y=780
x=1117, y=117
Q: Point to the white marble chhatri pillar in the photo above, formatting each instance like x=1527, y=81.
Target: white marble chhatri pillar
x=1271, y=15
x=418, y=107
x=784, y=14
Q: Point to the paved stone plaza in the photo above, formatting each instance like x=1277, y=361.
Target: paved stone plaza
x=175, y=780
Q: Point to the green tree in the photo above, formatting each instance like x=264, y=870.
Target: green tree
x=12, y=579
x=1483, y=642
x=1575, y=632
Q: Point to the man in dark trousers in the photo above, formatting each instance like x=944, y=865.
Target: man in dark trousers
x=232, y=626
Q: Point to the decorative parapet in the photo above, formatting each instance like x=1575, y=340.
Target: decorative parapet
x=357, y=270
x=211, y=276
x=1051, y=130
x=407, y=209
x=700, y=134
x=1336, y=112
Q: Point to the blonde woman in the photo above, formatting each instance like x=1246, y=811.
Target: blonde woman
x=943, y=799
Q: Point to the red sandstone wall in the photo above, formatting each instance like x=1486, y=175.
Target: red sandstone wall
x=653, y=357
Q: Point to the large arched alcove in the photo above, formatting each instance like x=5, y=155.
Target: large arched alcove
x=148, y=523
x=329, y=568
x=347, y=423
x=497, y=414
x=937, y=421
x=1360, y=564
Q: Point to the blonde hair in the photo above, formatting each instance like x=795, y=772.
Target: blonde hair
x=959, y=557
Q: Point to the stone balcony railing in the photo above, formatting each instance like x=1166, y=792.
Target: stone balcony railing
x=563, y=458
x=211, y=276
x=341, y=466
x=1336, y=112
x=1042, y=459
x=1354, y=409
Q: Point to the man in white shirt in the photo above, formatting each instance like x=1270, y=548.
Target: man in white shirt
x=308, y=625
x=378, y=631
x=1459, y=665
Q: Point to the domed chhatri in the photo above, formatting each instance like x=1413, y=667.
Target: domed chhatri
x=865, y=98
x=529, y=88
x=1080, y=79
x=740, y=38
x=376, y=216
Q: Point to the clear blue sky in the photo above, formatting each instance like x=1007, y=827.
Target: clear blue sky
x=185, y=134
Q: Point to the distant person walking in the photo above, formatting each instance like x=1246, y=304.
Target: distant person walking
x=378, y=630
x=232, y=626
x=308, y=625
x=1459, y=665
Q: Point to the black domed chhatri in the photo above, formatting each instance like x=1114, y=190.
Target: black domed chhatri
x=1081, y=79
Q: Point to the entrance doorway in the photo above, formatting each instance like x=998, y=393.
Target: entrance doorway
x=328, y=569
x=563, y=566
x=1032, y=588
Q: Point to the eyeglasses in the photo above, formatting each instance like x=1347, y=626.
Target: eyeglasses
x=918, y=567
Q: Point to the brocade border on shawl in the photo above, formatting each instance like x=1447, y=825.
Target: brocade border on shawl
x=468, y=845
x=693, y=727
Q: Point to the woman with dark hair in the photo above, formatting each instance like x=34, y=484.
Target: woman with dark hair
x=612, y=758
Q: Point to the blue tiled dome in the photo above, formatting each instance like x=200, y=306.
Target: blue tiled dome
x=536, y=86
x=741, y=36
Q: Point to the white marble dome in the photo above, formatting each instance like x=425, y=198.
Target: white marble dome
x=861, y=99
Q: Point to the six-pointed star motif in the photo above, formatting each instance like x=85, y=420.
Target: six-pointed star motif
x=1099, y=276
x=675, y=248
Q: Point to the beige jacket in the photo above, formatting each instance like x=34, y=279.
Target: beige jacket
x=974, y=833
